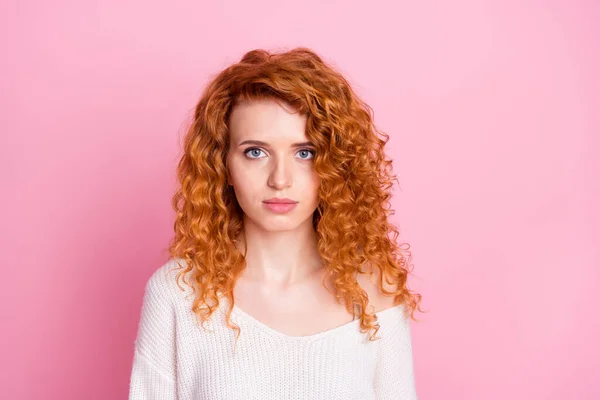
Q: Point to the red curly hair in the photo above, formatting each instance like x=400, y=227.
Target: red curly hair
x=351, y=220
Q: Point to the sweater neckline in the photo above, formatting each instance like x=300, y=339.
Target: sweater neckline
x=381, y=315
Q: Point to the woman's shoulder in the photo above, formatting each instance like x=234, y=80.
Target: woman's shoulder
x=368, y=280
x=388, y=313
x=163, y=280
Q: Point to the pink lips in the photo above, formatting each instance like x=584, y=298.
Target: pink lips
x=280, y=205
x=284, y=200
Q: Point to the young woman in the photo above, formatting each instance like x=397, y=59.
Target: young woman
x=292, y=287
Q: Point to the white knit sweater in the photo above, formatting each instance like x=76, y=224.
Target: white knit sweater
x=175, y=358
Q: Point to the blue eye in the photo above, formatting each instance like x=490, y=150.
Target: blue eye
x=252, y=149
x=307, y=151
x=257, y=152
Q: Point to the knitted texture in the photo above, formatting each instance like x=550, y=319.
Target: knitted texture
x=175, y=358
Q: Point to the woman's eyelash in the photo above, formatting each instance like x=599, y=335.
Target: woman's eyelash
x=249, y=149
x=257, y=148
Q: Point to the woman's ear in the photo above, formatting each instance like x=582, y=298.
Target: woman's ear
x=229, y=181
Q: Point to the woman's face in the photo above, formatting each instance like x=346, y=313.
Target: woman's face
x=269, y=157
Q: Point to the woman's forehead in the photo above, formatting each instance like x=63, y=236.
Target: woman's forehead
x=266, y=121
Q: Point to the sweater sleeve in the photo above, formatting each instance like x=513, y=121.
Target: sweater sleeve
x=394, y=373
x=154, y=364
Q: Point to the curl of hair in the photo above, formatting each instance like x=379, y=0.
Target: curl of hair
x=351, y=220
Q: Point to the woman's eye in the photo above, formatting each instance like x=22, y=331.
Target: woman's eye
x=305, y=151
x=254, y=152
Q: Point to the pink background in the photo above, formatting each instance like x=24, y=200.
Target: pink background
x=492, y=108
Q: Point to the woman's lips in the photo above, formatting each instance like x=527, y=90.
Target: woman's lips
x=280, y=207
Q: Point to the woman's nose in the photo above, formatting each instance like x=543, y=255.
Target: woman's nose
x=281, y=174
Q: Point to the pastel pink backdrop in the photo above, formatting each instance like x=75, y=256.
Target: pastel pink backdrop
x=492, y=108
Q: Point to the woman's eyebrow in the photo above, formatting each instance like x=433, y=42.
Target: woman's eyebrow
x=259, y=143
